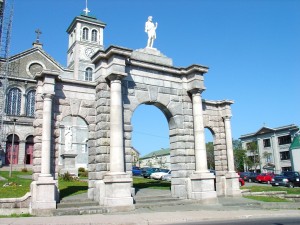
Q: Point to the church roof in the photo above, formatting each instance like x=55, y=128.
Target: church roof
x=162, y=152
x=296, y=143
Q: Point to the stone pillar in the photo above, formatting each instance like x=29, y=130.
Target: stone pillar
x=116, y=128
x=46, y=135
x=202, y=181
x=44, y=189
x=232, y=178
x=116, y=183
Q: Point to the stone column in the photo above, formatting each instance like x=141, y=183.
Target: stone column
x=44, y=189
x=202, y=181
x=46, y=135
x=230, y=158
x=232, y=178
x=115, y=190
x=116, y=128
x=200, y=147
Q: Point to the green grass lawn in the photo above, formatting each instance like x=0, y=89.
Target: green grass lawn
x=270, y=188
x=267, y=198
x=140, y=182
x=16, y=186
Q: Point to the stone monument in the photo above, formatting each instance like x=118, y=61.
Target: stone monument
x=69, y=154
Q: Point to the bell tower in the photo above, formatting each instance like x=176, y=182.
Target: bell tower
x=85, y=38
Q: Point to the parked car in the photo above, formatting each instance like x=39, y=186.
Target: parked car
x=158, y=175
x=136, y=171
x=242, y=182
x=264, y=177
x=287, y=179
x=244, y=175
x=251, y=177
x=167, y=177
x=147, y=171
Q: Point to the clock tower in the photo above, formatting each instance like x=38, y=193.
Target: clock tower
x=85, y=38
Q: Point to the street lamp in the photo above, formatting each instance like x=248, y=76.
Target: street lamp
x=12, y=146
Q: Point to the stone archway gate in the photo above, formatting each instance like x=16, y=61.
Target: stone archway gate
x=124, y=80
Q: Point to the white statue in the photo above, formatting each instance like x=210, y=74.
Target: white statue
x=150, y=28
x=68, y=138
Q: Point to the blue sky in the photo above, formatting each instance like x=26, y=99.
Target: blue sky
x=252, y=48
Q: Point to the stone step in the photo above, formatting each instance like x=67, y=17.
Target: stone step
x=73, y=204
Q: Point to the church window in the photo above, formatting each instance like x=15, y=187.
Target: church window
x=94, y=35
x=85, y=34
x=13, y=102
x=89, y=74
x=30, y=103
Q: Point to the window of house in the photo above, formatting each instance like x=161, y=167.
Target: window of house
x=284, y=140
x=267, y=143
x=94, y=35
x=30, y=103
x=285, y=155
x=13, y=102
x=85, y=33
x=89, y=74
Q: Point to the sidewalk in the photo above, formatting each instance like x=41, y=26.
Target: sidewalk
x=227, y=209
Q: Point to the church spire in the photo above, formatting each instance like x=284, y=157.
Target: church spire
x=86, y=10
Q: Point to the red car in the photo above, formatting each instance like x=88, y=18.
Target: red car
x=242, y=182
x=265, y=177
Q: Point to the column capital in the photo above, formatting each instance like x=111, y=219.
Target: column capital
x=227, y=117
x=116, y=76
x=47, y=95
x=195, y=91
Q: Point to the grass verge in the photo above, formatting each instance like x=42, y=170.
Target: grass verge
x=267, y=198
x=270, y=188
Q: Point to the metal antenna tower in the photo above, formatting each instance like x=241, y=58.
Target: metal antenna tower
x=6, y=14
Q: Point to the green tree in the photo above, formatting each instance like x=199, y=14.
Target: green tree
x=254, y=159
x=239, y=154
x=210, y=155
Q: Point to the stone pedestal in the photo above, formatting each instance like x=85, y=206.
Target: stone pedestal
x=44, y=194
x=232, y=184
x=69, y=164
x=203, y=187
x=117, y=191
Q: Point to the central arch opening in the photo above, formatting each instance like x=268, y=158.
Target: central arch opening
x=150, y=140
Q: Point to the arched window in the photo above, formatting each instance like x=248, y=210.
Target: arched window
x=30, y=103
x=89, y=74
x=85, y=33
x=94, y=35
x=13, y=102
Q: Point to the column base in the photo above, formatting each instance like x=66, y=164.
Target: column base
x=202, y=187
x=44, y=193
x=232, y=184
x=115, y=190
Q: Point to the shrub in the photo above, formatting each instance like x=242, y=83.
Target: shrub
x=24, y=170
x=81, y=169
x=67, y=177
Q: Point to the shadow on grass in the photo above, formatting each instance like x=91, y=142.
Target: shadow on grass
x=72, y=190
